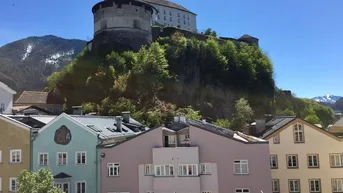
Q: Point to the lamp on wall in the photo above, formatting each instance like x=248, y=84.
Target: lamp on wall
x=102, y=155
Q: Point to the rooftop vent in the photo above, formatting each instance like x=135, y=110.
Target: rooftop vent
x=93, y=128
x=119, y=123
x=111, y=129
x=126, y=116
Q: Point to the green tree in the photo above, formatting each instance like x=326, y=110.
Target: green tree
x=210, y=32
x=243, y=113
x=37, y=182
x=224, y=123
x=89, y=107
x=313, y=119
x=189, y=113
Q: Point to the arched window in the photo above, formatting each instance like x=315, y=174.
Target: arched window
x=298, y=133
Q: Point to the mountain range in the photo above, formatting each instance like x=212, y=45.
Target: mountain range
x=26, y=63
x=329, y=99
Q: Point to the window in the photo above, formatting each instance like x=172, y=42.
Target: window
x=171, y=19
x=188, y=17
x=178, y=20
x=15, y=156
x=80, y=187
x=206, y=192
x=81, y=158
x=13, y=185
x=149, y=192
x=149, y=169
x=337, y=185
x=165, y=17
x=158, y=16
x=292, y=161
x=241, y=167
x=273, y=161
x=178, y=14
x=336, y=160
x=315, y=185
x=205, y=168
x=0, y=156
x=275, y=186
x=164, y=11
x=184, y=16
x=313, y=161
x=184, y=22
x=2, y=107
x=242, y=190
x=62, y=158
x=294, y=185
x=298, y=133
x=43, y=159
x=0, y=184
x=188, y=170
x=63, y=186
x=113, y=169
x=164, y=170
x=170, y=13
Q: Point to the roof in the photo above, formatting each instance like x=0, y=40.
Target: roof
x=109, y=3
x=7, y=88
x=25, y=107
x=339, y=122
x=169, y=4
x=104, y=126
x=62, y=175
x=15, y=122
x=246, y=36
x=276, y=123
x=32, y=97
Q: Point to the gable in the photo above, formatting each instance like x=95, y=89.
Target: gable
x=7, y=89
x=308, y=126
x=15, y=122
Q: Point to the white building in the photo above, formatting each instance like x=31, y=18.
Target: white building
x=172, y=14
x=6, y=99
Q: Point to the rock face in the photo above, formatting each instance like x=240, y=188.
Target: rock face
x=121, y=40
x=26, y=63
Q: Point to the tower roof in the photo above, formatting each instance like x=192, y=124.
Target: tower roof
x=168, y=4
x=109, y=3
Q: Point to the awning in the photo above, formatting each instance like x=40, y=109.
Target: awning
x=62, y=175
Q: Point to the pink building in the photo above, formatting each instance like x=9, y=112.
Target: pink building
x=186, y=157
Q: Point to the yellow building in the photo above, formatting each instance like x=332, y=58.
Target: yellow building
x=15, y=146
x=304, y=158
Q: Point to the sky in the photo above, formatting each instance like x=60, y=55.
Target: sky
x=302, y=38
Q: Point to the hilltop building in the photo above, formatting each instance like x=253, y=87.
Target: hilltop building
x=186, y=156
x=6, y=99
x=172, y=14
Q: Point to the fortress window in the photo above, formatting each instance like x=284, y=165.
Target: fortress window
x=164, y=11
x=184, y=22
x=188, y=17
x=178, y=20
x=178, y=14
x=170, y=13
x=171, y=19
x=184, y=16
x=165, y=17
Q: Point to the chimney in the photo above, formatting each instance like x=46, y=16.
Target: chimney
x=119, y=122
x=126, y=116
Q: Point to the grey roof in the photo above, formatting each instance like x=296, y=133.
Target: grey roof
x=276, y=124
x=339, y=122
x=168, y=4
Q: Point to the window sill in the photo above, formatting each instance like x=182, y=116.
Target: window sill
x=274, y=168
x=188, y=176
x=336, y=166
x=61, y=165
x=298, y=142
x=241, y=174
x=313, y=167
x=15, y=162
x=81, y=164
x=113, y=176
x=205, y=174
x=164, y=176
x=293, y=168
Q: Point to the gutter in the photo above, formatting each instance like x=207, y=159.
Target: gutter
x=97, y=162
x=32, y=138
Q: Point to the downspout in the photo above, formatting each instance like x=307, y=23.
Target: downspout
x=98, y=190
x=32, y=138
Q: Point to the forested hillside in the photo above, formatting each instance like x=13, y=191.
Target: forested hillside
x=174, y=76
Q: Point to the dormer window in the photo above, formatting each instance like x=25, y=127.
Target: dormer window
x=298, y=133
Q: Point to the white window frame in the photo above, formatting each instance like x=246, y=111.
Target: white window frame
x=47, y=158
x=181, y=168
x=149, y=192
x=312, y=157
x=204, y=168
x=337, y=160
x=298, y=130
x=16, y=185
x=76, y=186
x=61, y=184
x=272, y=159
x=240, y=163
x=239, y=190
x=149, y=169
x=290, y=185
x=164, y=171
x=57, y=159
x=275, y=186
x=206, y=192
x=292, y=166
x=319, y=185
x=0, y=156
x=76, y=157
x=335, y=182
x=18, y=154
x=113, y=166
x=0, y=184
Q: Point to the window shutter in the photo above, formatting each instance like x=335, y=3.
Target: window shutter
x=208, y=168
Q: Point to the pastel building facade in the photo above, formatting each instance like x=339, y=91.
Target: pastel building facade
x=67, y=146
x=15, y=151
x=6, y=99
x=303, y=157
x=186, y=157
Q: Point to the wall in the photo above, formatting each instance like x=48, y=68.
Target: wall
x=183, y=19
x=316, y=142
x=214, y=148
x=7, y=99
x=129, y=154
x=13, y=137
x=81, y=140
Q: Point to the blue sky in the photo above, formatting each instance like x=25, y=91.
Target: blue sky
x=302, y=38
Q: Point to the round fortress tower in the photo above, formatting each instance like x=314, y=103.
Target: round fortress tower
x=122, y=24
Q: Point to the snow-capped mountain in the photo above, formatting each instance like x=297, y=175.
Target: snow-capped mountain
x=26, y=63
x=329, y=99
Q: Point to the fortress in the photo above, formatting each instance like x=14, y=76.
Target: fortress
x=128, y=24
